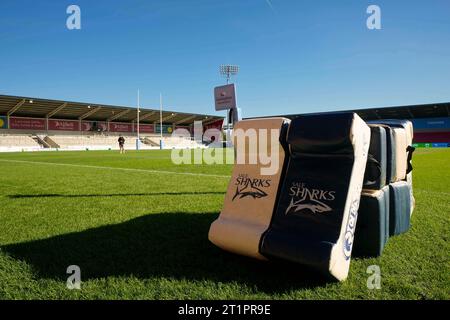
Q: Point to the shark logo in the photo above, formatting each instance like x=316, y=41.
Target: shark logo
x=315, y=206
x=304, y=198
x=248, y=187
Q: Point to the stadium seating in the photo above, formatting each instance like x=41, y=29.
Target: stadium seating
x=17, y=142
x=89, y=141
x=315, y=219
x=179, y=143
x=251, y=197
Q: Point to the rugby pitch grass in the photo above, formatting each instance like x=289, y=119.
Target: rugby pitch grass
x=138, y=230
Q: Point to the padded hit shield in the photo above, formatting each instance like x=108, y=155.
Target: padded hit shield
x=401, y=147
x=391, y=159
x=400, y=207
x=315, y=219
x=409, y=180
x=375, y=175
x=403, y=134
x=372, y=229
x=405, y=124
x=252, y=192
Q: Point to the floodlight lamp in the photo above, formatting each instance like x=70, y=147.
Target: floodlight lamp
x=229, y=70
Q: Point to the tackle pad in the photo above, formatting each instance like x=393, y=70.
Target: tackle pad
x=409, y=131
x=400, y=207
x=376, y=168
x=253, y=190
x=372, y=229
x=402, y=138
x=315, y=219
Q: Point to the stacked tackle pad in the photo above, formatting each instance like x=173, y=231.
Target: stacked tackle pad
x=343, y=187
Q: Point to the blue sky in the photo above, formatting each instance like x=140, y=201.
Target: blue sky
x=295, y=56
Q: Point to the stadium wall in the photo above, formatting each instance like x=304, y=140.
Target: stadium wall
x=41, y=125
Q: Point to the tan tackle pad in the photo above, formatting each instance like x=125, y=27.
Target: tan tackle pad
x=252, y=192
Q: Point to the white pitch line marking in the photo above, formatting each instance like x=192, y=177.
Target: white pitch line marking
x=431, y=191
x=114, y=168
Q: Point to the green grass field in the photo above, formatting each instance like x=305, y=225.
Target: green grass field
x=138, y=229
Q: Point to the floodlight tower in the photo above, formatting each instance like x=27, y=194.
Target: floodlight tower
x=228, y=70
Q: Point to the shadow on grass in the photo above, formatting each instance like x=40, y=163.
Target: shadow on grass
x=55, y=195
x=173, y=245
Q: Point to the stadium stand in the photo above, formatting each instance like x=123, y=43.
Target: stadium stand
x=32, y=124
x=431, y=122
x=42, y=119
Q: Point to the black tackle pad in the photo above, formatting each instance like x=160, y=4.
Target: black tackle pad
x=315, y=219
x=372, y=229
x=400, y=207
x=375, y=175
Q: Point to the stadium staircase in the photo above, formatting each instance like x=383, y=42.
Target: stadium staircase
x=149, y=142
x=51, y=143
x=40, y=141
